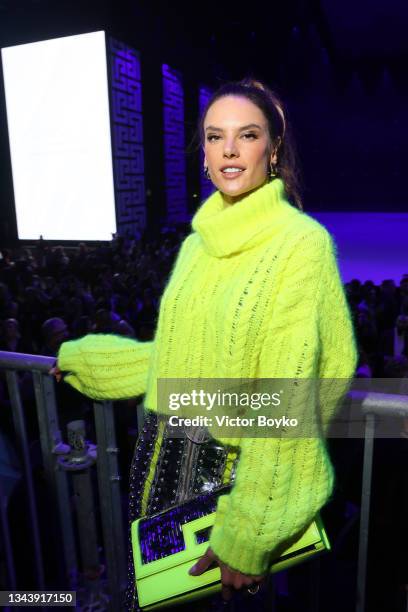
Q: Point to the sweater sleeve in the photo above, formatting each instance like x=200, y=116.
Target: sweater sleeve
x=105, y=366
x=338, y=346
x=283, y=481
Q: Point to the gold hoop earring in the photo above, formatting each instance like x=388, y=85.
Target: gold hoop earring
x=207, y=173
x=273, y=170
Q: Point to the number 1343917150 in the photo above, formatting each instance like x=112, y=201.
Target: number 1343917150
x=34, y=598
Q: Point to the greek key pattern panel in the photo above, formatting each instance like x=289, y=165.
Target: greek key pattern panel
x=174, y=146
x=206, y=187
x=127, y=137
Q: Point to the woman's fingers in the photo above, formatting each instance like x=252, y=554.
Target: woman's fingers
x=226, y=592
x=203, y=563
x=56, y=372
x=231, y=580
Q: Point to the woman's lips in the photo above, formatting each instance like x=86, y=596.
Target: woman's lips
x=230, y=176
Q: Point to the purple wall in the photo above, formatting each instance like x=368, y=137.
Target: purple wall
x=206, y=187
x=127, y=137
x=174, y=146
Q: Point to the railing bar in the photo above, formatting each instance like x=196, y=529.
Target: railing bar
x=48, y=426
x=381, y=404
x=57, y=478
x=106, y=502
x=110, y=501
x=8, y=546
x=23, y=361
x=365, y=512
x=19, y=425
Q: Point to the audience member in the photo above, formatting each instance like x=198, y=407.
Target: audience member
x=54, y=332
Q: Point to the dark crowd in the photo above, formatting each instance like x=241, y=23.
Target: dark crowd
x=49, y=294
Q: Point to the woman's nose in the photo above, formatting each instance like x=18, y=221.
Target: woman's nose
x=231, y=149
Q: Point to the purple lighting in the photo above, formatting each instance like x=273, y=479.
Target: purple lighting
x=127, y=137
x=206, y=187
x=174, y=146
x=371, y=246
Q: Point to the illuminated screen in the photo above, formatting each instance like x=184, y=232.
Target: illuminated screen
x=59, y=131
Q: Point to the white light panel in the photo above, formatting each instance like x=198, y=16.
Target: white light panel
x=59, y=130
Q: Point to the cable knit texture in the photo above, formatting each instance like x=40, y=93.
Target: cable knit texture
x=255, y=293
x=104, y=366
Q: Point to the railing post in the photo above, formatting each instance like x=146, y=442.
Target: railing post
x=110, y=502
x=365, y=511
x=50, y=437
x=7, y=544
x=19, y=426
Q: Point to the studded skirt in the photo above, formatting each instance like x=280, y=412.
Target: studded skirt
x=168, y=469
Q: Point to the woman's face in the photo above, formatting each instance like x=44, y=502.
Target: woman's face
x=237, y=146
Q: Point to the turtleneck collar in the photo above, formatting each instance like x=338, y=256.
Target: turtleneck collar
x=230, y=229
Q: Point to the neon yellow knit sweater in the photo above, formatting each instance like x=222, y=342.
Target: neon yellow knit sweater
x=255, y=293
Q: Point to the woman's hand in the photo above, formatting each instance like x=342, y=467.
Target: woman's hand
x=230, y=579
x=55, y=371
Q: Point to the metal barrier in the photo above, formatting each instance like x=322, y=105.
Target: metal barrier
x=372, y=405
x=114, y=537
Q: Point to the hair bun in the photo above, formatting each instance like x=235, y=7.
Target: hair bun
x=253, y=83
x=259, y=85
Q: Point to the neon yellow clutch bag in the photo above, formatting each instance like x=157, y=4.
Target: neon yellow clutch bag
x=167, y=544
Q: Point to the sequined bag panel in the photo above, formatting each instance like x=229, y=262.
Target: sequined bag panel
x=168, y=469
x=186, y=467
x=161, y=535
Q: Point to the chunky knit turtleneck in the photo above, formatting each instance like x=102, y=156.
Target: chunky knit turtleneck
x=255, y=293
x=228, y=229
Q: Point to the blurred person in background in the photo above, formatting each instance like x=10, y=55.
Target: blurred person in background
x=54, y=333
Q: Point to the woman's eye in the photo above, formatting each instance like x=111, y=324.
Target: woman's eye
x=249, y=136
x=212, y=137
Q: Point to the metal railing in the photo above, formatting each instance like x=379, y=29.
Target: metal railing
x=371, y=404
x=57, y=478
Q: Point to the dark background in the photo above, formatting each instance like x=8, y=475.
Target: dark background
x=340, y=65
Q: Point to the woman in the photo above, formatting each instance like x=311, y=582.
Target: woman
x=255, y=293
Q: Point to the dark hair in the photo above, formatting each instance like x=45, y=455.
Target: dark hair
x=270, y=104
